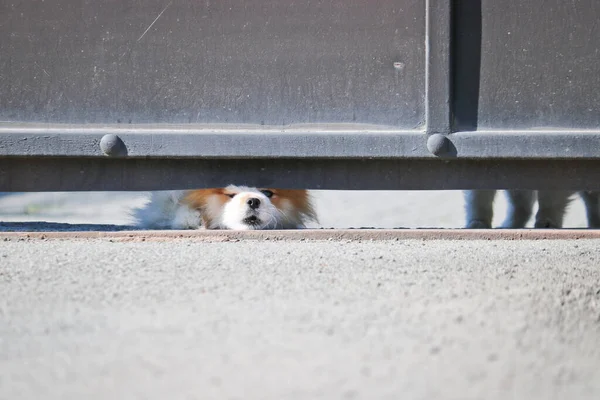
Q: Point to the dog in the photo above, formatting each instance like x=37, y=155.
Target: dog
x=232, y=207
x=552, y=206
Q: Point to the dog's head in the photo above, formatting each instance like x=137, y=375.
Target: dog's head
x=245, y=208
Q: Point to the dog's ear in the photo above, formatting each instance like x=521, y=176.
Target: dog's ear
x=196, y=199
x=302, y=202
x=308, y=210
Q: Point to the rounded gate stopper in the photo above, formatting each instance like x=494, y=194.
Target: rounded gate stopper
x=112, y=145
x=438, y=144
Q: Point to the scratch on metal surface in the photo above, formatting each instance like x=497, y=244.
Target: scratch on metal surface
x=37, y=65
x=156, y=19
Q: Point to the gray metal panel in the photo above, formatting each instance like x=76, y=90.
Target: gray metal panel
x=266, y=62
x=299, y=94
x=438, y=72
x=539, y=64
x=165, y=142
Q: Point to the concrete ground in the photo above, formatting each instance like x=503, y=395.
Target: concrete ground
x=289, y=319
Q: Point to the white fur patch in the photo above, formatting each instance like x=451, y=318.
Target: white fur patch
x=237, y=210
x=164, y=210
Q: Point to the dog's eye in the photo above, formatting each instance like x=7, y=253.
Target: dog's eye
x=267, y=193
x=230, y=195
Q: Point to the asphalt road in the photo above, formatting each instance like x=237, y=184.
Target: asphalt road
x=407, y=319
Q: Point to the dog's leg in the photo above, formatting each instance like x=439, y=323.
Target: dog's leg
x=479, y=208
x=520, y=207
x=592, y=208
x=552, y=206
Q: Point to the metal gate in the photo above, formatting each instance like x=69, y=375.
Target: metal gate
x=322, y=94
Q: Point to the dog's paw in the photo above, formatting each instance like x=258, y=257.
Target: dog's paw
x=478, y=224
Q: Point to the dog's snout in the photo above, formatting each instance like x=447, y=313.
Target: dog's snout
x=253, y=203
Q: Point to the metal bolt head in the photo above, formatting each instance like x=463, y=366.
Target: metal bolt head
x=113, y=146
x=439, y=145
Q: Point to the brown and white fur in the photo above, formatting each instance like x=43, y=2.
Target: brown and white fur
x=232, y=207
x=552, y=206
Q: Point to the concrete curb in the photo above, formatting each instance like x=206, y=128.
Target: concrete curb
x=313, y=234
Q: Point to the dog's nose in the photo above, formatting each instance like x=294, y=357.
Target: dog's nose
x=253, y=203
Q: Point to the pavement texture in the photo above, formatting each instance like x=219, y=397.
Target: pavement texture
x=264, y=319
